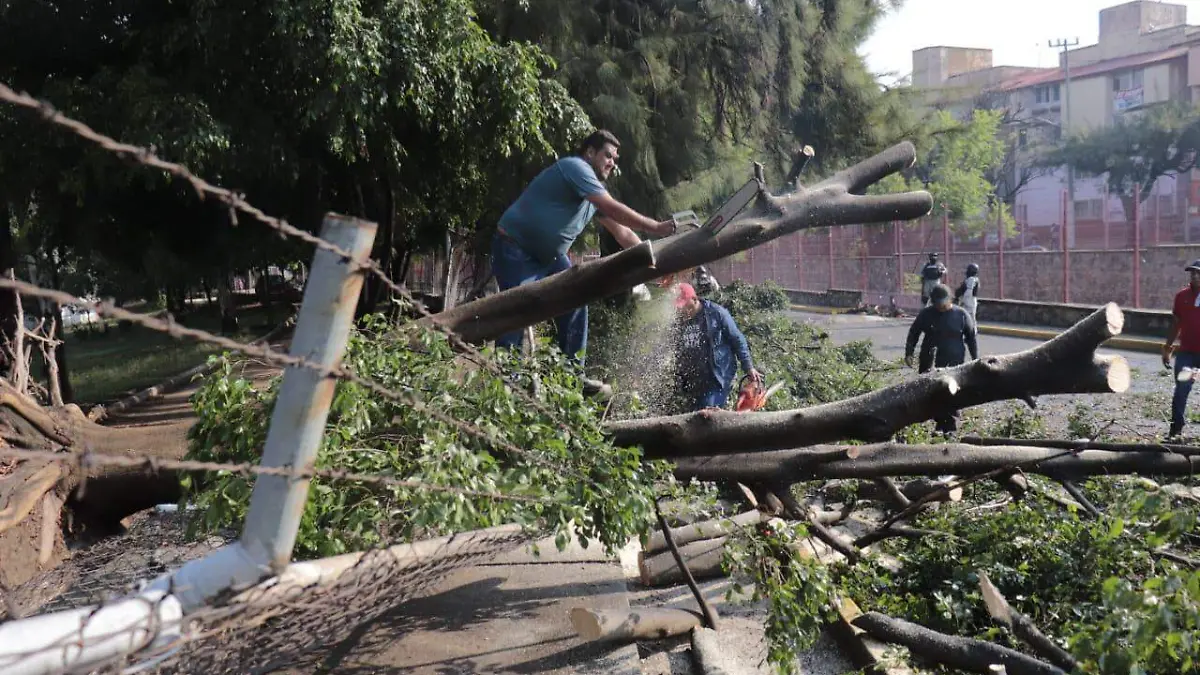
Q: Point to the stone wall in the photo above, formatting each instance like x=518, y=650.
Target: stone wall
x=1141, y=322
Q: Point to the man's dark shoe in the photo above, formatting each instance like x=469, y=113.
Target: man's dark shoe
x=595, y=388
x=1175, y=432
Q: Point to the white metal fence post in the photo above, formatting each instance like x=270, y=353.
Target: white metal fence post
x=77, y=640
x=298, y=420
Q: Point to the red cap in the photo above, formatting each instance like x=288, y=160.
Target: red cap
x=685, y=294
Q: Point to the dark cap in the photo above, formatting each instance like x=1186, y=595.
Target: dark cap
x=1195, y=265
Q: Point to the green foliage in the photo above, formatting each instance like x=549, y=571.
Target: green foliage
x=1021, y=422
x=1147, y=627
x=1136, y=150
x=1082, y=423
x=577, y=477
x=956, y=164
x=797, y=587
x=1087, y=582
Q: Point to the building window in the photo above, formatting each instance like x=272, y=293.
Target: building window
x=1046, y=94
x=1130, y=79
x=1088, y=208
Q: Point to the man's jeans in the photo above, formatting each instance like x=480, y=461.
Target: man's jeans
x=1182, y=389
x=713, y=398
x=514, y=267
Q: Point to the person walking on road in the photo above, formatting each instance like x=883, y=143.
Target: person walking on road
x=931, y=275
x=709, y=350
x=1185, y=325
x=536, y=231
x=944, y=329
x=967, y=294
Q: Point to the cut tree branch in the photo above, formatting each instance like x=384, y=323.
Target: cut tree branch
x=1066, y=364
x=835, y=201
x=898, y=459
x=1086, y=445
x=1022, y=627
x=952, y=650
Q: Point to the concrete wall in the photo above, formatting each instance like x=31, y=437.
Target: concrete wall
x=838, y=298
x=1140, y=322
x=1091, y=103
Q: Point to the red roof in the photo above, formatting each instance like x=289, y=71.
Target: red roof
x=1051, y=75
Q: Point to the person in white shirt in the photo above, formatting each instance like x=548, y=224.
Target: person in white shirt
x=967, y=295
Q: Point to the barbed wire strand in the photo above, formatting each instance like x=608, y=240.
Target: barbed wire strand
x=88, y=458
x=175, y=330
x=236, y=202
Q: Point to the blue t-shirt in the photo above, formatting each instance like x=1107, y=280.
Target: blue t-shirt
x=552, y=211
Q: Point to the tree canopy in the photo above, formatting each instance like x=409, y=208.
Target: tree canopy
x=1136, y=150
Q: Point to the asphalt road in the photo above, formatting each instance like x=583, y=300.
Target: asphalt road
x=888, y=337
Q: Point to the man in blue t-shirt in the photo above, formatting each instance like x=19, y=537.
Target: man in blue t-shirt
x=536, y=231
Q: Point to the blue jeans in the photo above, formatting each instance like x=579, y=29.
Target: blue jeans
x=713, y=398
x=1182, y=389
x=514, y=267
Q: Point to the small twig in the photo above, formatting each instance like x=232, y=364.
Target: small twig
x=1074, y=491
x=710, y=614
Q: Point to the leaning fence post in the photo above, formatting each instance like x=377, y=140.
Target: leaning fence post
x=298, y=420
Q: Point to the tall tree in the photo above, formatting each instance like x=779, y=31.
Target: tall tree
x=1138, y=149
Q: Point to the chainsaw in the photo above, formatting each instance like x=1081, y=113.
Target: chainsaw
x=752, y=395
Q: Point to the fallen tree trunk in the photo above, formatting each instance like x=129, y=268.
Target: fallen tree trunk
x=973, y=655
x=708, y=529
x=1066, y=364
x=703, y=560
x=898, y=459
x=627, y=625
x=1187, y=450
x=838, y=200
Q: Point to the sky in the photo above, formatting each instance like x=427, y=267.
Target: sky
x=1017, y=31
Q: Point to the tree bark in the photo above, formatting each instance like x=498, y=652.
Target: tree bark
x=1022, y=627
x=838, y=200
x=898, y=459
x=703, y=559
x=1066, y=364
x=708, y=529
x=1187, y=450
x=973, y=655
x=637, y=623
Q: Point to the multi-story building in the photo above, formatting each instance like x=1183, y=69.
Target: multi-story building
x=1146, y=54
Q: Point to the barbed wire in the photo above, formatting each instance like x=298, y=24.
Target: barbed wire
x=88, y=458
x=264, y=351
x=236, y=202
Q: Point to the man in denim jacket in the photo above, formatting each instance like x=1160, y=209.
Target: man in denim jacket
x=709, y=341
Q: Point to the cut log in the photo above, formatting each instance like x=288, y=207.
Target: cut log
x=703, y=558
x=1067, y=364
x=711, y=620
x=708, y=529
x=897, y=459
x=836, y=201
x=1186, y=450
x=711, y=658
x=627, y=625
x=1022, y=627
x=865, y=651
x=976, y=656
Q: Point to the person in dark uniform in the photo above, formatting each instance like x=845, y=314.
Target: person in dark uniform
x=947, y=329
x=931, y=275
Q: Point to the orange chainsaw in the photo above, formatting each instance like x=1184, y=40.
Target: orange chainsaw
x=752, y=395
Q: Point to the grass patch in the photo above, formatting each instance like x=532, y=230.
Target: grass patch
x=104, y=366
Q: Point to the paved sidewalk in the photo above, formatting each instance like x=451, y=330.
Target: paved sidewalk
x=506, y=616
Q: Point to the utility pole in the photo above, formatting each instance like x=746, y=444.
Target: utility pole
x=1064, y=120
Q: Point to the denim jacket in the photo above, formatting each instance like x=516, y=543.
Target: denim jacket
x=726, y=342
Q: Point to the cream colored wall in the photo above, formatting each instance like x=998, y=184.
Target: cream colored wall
x=1156, y=83
x=1091, y=103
